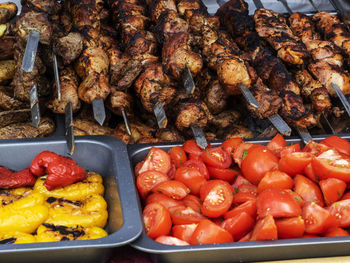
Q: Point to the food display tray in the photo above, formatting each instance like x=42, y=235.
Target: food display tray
x=107, y=156
x=239, y=251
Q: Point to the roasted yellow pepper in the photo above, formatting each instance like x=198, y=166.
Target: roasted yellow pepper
x=11, y=195
x=51, y=233
x=87, y=213
x=93, y=184
x=16, y=238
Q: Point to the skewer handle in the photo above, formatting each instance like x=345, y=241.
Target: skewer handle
x=188, y=81
x=199, y=136
x=304, y=134
x=314, y=6
x=280, y=125
x=161, y=117
x=98, y=108
x=248, y=95
x=57, y=76
x=34, y=106
x=30, y=51
x=258, y=4
x=69, y=128
x=285, y=4
x=342, y=97
x=126, y=121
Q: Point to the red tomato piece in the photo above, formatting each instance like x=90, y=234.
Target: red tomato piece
x=292, y=227
x=191, y=177
x=227, y=175
x=156, y=160
x=277, y=144
x=192, y=148
x=309, y=236
x=247, y=188
x=172, y=188
x=258, y=162
x=331, y=164
x=346, y=196
x=247, y=237
x=317, y=219
x=177, y=156
x=248, y=207
x=241, y=152
x=308, y=190
x=240, y=180
x=296, y=196
x=137, y=168
x=182, y=215
x=336, y=232
x=341, y=211
x=332, y=189
x=163, y=200
x=342, y=145
x=275, y=179
x=309, y=172
x=217, y=157
x=277, y=203
x=194, y=202
x=315, y=148
x=208, y=232
x=265, y=229
x=149, y=179
x=156, y=219
x=294, y=163
x=199, y=165
x=289, y=149
x=172, y=171
x=184, y=232
x=230, y=145
x=240, y=198
x=217, y=198
x=172, y=241
x=238, y=225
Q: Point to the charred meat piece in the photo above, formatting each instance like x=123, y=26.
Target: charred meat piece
x=238, y=131
x=159, y=6
x=7, y=12
x=169, y=135
x=7, y=47
x=138, y=130
x=92, y=59
x=120, y=101
x=94, y=86
x=225, y=119
x=7, y=102
x=215, y=97
x=86, y=127
x=7, y=71
x=303, y=27
x=69, y=47
x=46, y=6
x=273, y=27
x=85, y=13
x=69, y=92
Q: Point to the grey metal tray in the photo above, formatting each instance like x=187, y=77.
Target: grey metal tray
x=107, y=156
x=238, y=251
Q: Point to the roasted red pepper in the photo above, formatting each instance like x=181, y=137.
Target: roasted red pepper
x=9, y=179
x=62, y=171
x=41, y=161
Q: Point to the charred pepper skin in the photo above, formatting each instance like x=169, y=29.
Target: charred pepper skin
x=16, y=238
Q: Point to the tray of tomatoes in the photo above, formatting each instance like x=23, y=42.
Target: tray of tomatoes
x=244, y=200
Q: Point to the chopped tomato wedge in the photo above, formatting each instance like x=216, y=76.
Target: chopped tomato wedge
x=332, y=189
x=177, y=156
x=172, y=241
x=137, y=168
x=315, y=148
x=309, y=172
x=156, y=160
x=277, y=203
x=182, y=215
x=191, y=177
x=230, y=145
x=248, y=207
x=194, y=202
x=265, y=229
x=308, y=190
x=238, y=225
x=163, y=200
x=240, y=180
x=296, y=196
x=217, y=157
x=340, y=144
x=149, y=179
x=199, y=165
x=292, y=227
x=217, y=198
x=294, y=163
x=289, y=149
x=241, y=152
x=208, y=232
x=240, y=198
x=275, y=179
x=258, y=162
x=341, y=211
x=156, y=219
x=336, y=232
x=228, y=175
x=276, y=144
x=191, y=147
x=172, y=188
x=184, y=232
x=317, y=219
x=331, y=164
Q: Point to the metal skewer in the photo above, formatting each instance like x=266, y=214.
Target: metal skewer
x=159, y=112
x=197, y=131
x=27, y=66
x=68, y=116
x=340, y=13
x=98, y=108
x=314, y=6
x=126, y=122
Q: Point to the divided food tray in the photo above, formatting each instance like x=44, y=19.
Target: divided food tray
x=105, y=155
x=239, y=251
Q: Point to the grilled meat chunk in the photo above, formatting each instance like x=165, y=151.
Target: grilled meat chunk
x=169, y=135
x=8, y=10
x=86, y=127
x=7, y=71
x=7, y=47
x=159, y=6
x=94, y=86
x=138, y=130
x=238, y=131
x=7, y=102
x=69, y=92
x=69, y=47
x=92, y=59
x=120, y=101
x=225, y=119
x=45, y=6
x=215, y=97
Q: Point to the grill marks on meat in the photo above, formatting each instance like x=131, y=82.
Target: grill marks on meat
x=119, y=101
x=86, y=127
x=69, y=47
x=273, y=27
